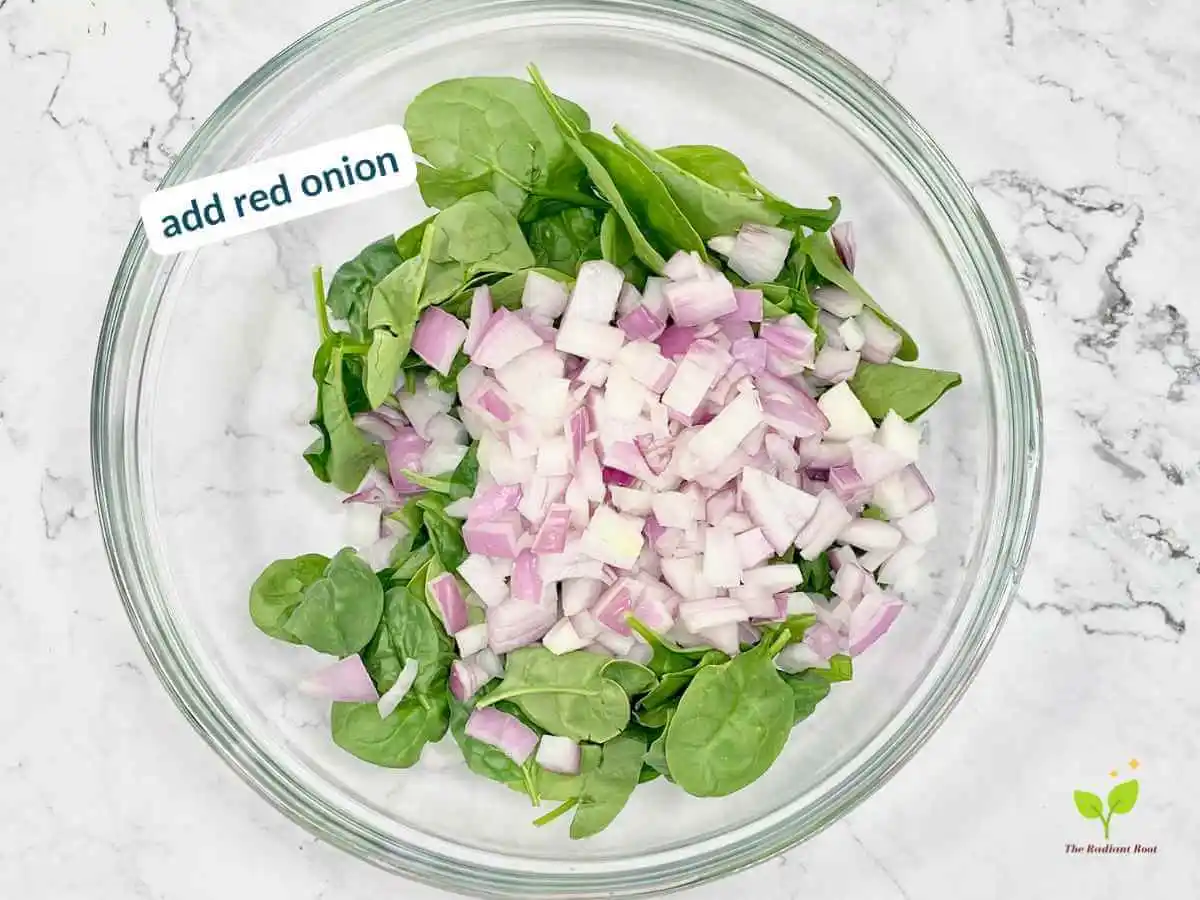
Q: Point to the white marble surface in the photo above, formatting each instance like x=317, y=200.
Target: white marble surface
x=1076, y=122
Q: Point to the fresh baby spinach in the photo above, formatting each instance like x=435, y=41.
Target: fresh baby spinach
x=731, y=725
x=339, y=611
x=280, y=589
x=565, y=239
x=493, y=134
x=409, y=630
x=397, y=741
x=352, y=284
x=608, y=787
x=909, y=390
x=566, y=695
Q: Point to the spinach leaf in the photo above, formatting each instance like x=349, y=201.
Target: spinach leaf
x=712, y=210
x=565, y=239
x=616, y=247
x=870, y=511
x=731, y=725
x=445, y=534
x=652, y=707
x=808, y=689
x=819, y=249
x=909, y=390
x=397, y=741
x=666, y=657
x=654, y=718
x=475, y=237
x=340, y=610
x=781, y=301
x=493, y=134
x=635, y=192
x=841, y=668
x=341, y=454
x=566, y=695
x=409, y=630
x=352, y=284
x=721, y=169
x=392, y=318
x=633, y=678
x=656, y=753
x=408, y=244
x=409, y=563
x=280, y=588
x=818, y=575
x=715, y=165
x=794, y=627
x=607, y=789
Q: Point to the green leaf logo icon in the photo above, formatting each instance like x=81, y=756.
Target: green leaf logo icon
x=1089, y=805
x=1122, y=798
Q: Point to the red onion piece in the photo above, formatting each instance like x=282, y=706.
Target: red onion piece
x=676, y=341
x=398, y=691
x=506, y=733
x=871, y=619
x=437, y=338
x=404, y=451
x=641, y=324
x=845, y=243
x=494, y=537
x=506, y=338
x=481, y=317
x=526, y=583
x=346, y=681
x=447, y=595
x=559, y=754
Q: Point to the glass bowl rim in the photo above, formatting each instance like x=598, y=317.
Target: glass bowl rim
x=114, y=440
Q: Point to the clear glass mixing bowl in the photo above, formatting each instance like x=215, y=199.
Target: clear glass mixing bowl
x=202, y=391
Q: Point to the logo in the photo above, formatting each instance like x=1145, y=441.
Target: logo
x=1122, y=798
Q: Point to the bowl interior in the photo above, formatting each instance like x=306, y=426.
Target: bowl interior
x=224, y=393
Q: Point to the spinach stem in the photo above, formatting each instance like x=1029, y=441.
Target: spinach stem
x=318, y=277
x=560, y=810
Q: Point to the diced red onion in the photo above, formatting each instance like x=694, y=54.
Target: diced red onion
x=483, y=578
x=881, y=343
x=397, y=692
x=874, y=462
x=590, y=340
x=699, y=615
x=871, y=620
x=641, y=324
x=837, y=302
x=448, y=598
x=903, y=493
x=760, y=252
x=506, y=733
x=700, y=300
x=845, y=244
x=836, y=365
x=515, y=624
x=543, y=295
x=683, y=266
x=597, y=290
x=507, y=337
x=901, y=564
x=376, y=426
x=849, y=583
x=722, y=637
x=494, y=537
x=492, y=502
x=823, y=640
x=753, y=548
x=847, y=418
x=481, y=317
x=466, y=678
x=780, y=510
x=563, y=638
x=471, y=639
x=675, y=341
x=614, y=605
x=848, y=484
x=558, y=754
x=823, y=528
x=404, y=451
x=438, y=337
x=791, y=337
x=526, y=583
x=345, y=681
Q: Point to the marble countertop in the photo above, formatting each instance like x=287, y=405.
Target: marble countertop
x=1077, y=124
